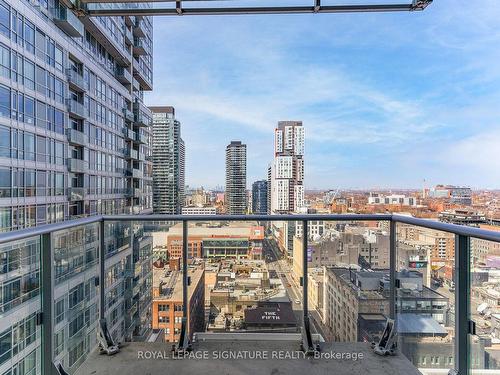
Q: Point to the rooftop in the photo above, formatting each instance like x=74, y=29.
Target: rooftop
x=171, y=282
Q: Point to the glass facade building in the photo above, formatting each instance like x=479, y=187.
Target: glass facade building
x=168, y=156
x=259, y=197
x=74, y=142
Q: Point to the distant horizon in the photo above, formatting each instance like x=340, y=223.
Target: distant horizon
x=373, y=189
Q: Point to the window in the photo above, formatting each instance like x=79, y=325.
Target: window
x=4, y=19
x=29, y=110
x=29, y=74
x=29, y=146
x=4, y=142
x=58, y=342
x=29, y=36
x=59, y=59
x=162, y=307
x=16, y=67
x=41, y=115
x=58, y=121
x=4, y=101
x=5, y=182
x=30, y=185
x=40, y=44
x=59, y=310
x=59, y=90
x=59, y=184
x=59, y=153
x=4, y=61
x=41, y=80
x=5, y=345
x=41, y=183
x=5, y=226
x=163, y=319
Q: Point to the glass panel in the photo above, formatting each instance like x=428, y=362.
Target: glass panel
x=485, y=304
x=19, y=305
x=76, y=293
x=425, y=300
x=236, y=279
x=348, y=279
x=128, y=281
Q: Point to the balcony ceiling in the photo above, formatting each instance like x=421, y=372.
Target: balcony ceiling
x=226, y=7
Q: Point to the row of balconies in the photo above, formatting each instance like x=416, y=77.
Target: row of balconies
x=80, y=193
x=65, y=19
x=139, y=118
x=143, y=80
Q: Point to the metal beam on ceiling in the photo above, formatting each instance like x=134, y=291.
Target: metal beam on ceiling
x=416, y=5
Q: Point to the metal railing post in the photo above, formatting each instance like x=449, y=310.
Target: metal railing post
x=307, y=339
x=102, y=270
x=46, y=263
x=462, y=303
x=184, y=343
x=392, y=269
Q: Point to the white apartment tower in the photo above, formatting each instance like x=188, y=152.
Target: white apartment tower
x=286, y=174
x=236, y=178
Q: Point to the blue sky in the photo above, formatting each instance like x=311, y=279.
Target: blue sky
x=387, y=100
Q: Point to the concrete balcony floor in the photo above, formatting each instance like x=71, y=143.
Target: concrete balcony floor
x=209, y=357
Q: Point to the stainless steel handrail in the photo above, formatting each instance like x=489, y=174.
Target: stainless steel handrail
x=460, y=230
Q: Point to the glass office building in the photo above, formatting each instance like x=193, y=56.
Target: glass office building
x=74, y=142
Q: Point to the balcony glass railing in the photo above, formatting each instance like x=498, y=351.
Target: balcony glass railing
x=123, y=75
x=321, y=281
x=128, y=114
x=77, y=137
x=75, y=80
x=76, y=108
x=139, y=47
x=65, y=19
x=77, y=165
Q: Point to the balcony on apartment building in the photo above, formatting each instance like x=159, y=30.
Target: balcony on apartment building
x=139, y=28
x=76, y=108
x=128, y=114
x=123, y=75
x=76, y=193
x=75, y=80
x=77, y=137
x=233, y=294
x=67, y=21
x=77, y=165
x=138, y=47
x=129, y=37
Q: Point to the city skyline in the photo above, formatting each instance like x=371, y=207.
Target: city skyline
x=378, y=113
